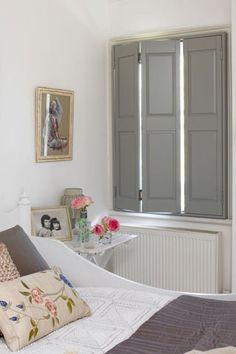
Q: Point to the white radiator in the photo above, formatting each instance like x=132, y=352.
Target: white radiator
x=177, y=259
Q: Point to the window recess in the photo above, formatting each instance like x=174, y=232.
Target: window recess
x=169, y=123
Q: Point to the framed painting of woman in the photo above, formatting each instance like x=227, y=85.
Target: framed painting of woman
x=54, y=124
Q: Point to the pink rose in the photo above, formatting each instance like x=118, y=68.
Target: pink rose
x=113, y=225
x=98, y=230
x=37, y=295
x=74, y=203
x=87, y=201
x=105, y=220
x=49, y=304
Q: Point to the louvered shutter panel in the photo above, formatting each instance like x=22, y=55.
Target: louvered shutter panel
x=125, y=127
x=205, y=120
x=161, y=140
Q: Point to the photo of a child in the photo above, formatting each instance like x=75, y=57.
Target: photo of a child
x=55, y=227
x=45, y=230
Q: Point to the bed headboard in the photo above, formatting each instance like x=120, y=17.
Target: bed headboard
x=21, y=215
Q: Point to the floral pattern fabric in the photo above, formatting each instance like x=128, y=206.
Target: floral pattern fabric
x=35, y=305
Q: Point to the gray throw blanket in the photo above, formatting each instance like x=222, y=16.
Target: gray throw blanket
x=184, y=324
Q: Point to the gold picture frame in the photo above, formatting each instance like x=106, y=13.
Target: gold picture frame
x=52, y=222
x=54, y=124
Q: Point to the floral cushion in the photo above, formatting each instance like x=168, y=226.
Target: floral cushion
x=37, y=304
x=8, y=270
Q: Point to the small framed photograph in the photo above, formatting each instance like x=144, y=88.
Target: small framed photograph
x=51, y=222
x=54, y=124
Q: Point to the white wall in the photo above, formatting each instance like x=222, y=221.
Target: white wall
x=133, y=17
x=234, y=143
x=60, y=44
x=137, y=16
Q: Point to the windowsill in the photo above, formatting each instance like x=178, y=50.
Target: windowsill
x=185, y=219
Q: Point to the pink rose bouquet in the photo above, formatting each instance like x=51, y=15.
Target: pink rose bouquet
x=81, y=202
x=108, y=224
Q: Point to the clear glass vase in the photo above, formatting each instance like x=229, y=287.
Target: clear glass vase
x=76, y=234
x=106, y=239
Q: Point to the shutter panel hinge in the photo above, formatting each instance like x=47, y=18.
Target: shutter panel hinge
x=140, y=194
x=139, y=58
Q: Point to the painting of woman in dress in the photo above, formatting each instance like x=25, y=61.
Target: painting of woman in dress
x=54, y=109
x=51, y=131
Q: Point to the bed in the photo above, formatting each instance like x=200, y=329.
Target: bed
x=124, y=312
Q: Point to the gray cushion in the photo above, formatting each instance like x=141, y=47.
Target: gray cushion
x=22, y=251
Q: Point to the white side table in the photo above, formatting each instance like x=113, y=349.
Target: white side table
x=101, y=250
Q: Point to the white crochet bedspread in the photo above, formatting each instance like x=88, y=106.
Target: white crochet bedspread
x=116, y=315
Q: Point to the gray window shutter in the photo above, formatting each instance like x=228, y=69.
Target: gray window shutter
x=126, y=127
x=161, y=141
x=205, y=119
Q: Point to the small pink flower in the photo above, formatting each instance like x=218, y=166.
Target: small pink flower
x=98, y=230
x=113, y=225
x=36, y=294
x=49, y=304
